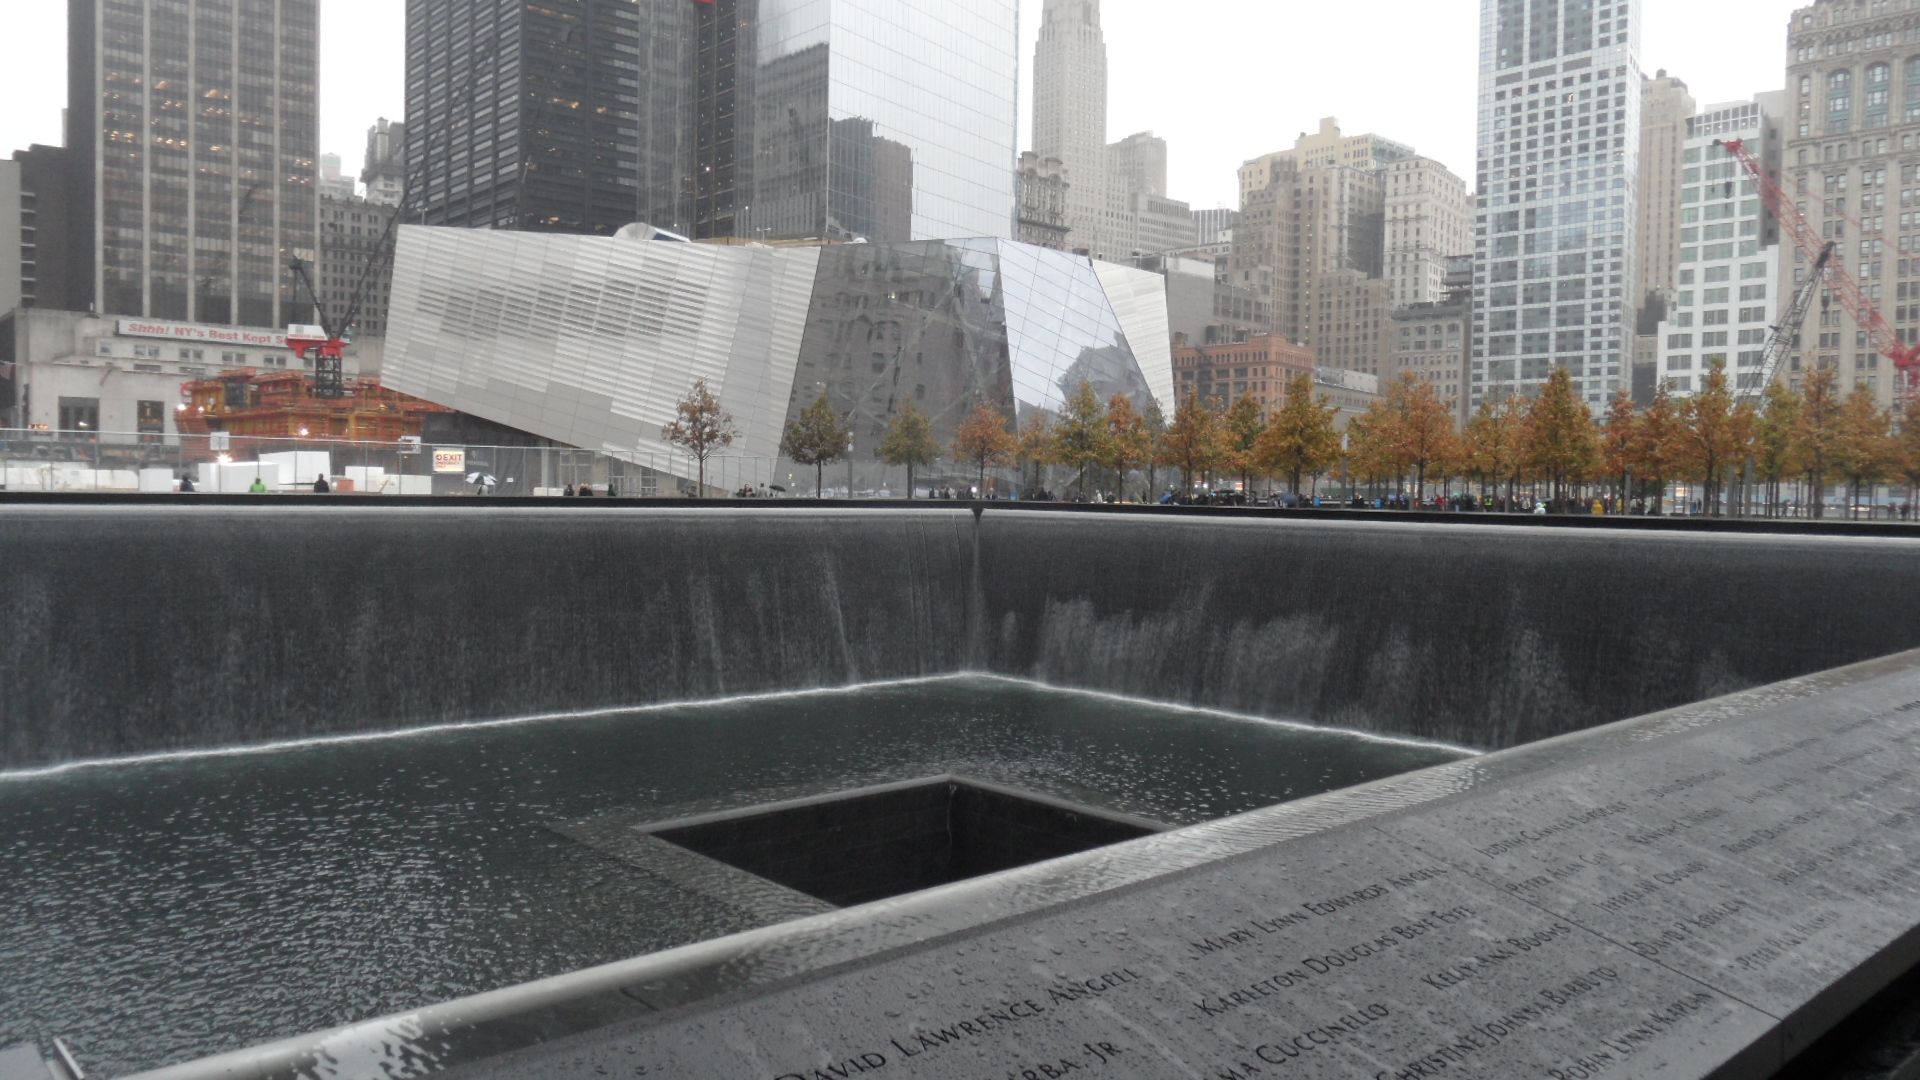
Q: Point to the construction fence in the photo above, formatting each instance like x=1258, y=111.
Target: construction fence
x=123, y=462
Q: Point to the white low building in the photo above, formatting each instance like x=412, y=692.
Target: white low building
x=75, y=375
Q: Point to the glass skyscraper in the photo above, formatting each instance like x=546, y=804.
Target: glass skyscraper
x=525, y=116
x=194, y=128
x=735, y=119
x=1559, y=146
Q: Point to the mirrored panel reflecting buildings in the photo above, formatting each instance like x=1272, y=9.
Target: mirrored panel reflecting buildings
x=744, y=119
x=591, y=341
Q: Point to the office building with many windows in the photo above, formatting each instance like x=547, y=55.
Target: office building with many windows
x=1850, y=158
x=193, y=129
x=1429, y=219
x=1557, y=212
x=736, y=119
x=1726, y=290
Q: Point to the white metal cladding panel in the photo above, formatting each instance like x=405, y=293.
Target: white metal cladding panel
x=759, y=382
x=592, y=341
x=1139, y=300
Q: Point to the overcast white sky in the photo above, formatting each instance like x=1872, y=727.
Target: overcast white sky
x=1220, y=80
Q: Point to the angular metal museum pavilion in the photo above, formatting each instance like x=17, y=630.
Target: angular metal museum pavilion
x=591, y=341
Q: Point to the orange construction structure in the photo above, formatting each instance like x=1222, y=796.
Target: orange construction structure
x=283, y=405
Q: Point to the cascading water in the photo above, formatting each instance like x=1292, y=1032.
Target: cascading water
x=1487, y=637
x=129, y=630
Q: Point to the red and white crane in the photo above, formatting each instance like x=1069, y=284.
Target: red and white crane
x=1839, y=282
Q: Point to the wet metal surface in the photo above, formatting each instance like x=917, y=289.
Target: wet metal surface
x=163, y=911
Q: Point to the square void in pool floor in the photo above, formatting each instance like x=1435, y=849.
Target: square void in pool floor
x=855, y=846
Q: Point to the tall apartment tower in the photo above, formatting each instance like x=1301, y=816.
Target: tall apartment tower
x=1851, y=132
x=194, y=131
x=1557, y=210
x=1727, y=290
x=1070, y=113
x=1666, y=116
x=1137, y=164
x=384, y=168
x=1308, y=222
x=1140, y=218
x=1327, y=146
x=1429, y=219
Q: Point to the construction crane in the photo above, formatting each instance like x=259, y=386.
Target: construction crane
x=327, y=349
x=1840, y=284
x=1786, y=333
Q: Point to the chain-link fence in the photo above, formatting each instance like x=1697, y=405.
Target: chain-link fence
x=66, y=461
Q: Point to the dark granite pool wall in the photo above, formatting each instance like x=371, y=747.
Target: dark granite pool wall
x=1483, y=636
x=127, y=629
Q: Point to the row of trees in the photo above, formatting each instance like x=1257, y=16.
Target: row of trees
x=1710, y=440
x=1087, y=434
x=1408, y=440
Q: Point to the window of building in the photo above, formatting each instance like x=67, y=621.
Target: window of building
x=79, y=416
x=1879, y=95
x=150, y=418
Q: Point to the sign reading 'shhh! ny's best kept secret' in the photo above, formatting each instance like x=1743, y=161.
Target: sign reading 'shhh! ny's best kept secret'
x=216, y=335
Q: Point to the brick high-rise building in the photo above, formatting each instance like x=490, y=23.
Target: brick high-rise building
x=1327, y=146
x=1308, y=222
x=1258, y=367
x=1351, y=319
x=1851, y=153
x=193, y=127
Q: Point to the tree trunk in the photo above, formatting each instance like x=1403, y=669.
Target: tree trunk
x=701, y=491
x=909, y=479
x=819, y=479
